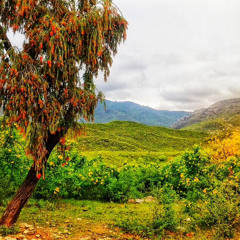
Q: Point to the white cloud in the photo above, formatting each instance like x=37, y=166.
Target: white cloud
x=179, y=54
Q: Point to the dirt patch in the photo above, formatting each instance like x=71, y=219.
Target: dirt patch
x=84, y=230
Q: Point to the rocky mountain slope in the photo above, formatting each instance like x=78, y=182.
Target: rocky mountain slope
x=223, y=112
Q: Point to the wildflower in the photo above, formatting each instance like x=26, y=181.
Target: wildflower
x=215, y=191
x=196, y=179
x=57, y=190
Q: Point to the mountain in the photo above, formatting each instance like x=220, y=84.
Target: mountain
x=219, y=116
x=129, y=111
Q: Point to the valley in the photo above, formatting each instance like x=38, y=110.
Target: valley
x=97, y=187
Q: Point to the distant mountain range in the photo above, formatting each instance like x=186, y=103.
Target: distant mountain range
x=130, y=111
x=221, y=115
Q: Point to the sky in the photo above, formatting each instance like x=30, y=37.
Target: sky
x=179, y=54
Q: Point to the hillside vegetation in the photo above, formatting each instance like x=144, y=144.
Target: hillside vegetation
x=130, y=140
x=222, y=123
x=223, y=115
x=131, y=136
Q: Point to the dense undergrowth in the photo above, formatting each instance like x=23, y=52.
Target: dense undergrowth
x=192, y=191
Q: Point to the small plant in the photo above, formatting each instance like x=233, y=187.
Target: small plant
x=165, y=218
x=14, y=229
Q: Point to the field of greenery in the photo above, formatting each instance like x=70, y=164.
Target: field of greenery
x=120, y=142
x=195, y=193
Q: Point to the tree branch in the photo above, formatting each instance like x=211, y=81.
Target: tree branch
x=3, y=37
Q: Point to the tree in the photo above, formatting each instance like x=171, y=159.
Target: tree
x=48, y=84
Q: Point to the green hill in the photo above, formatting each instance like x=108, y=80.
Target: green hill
x=130, y=140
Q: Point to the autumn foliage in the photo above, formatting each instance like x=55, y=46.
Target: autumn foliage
x=48, y=84
x=222, y=148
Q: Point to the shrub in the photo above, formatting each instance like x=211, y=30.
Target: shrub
x=221, y=210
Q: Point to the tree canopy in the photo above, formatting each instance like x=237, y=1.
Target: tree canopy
x=48, y=84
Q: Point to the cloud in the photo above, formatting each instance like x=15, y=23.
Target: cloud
x=178, y=55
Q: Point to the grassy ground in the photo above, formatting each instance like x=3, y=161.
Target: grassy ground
x=82, y=220
x=120, y=158
x=134, y=137
x=118, y=142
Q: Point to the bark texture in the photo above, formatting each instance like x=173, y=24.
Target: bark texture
x=14, y=208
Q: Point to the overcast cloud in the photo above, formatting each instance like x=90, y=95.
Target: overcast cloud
x=179, y=54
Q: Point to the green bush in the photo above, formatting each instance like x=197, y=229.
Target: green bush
x=220, y=211
x=14, y=164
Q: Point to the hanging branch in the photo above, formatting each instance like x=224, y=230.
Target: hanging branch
x=3, y=37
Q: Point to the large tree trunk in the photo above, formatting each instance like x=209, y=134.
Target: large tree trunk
x=14, y=208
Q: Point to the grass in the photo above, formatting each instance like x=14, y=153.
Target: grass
x=81, y=218
x=120, y=158
x=120, y=141
x=130, y=136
